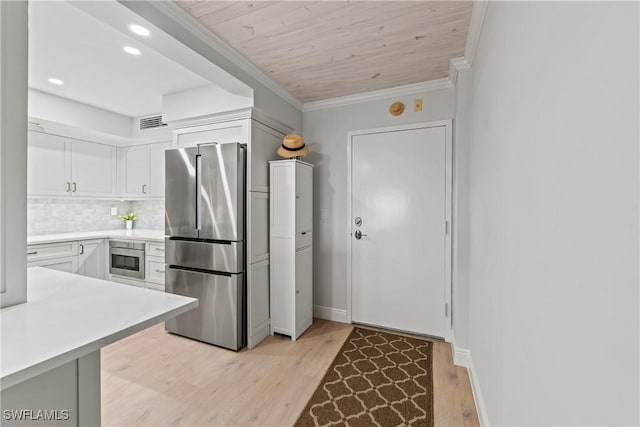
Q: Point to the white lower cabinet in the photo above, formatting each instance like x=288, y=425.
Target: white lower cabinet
x=68, y=264
x=91, y=258
x=154, y=271
x=61, y=256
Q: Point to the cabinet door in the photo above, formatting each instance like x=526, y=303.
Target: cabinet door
x=156, y=169
x=135, y=171
x=303, y=289
x=66, y=264
x=264, y=143
x=154, y=270
x=91, y=259
x=49, y=172
x=258, y=303
x=304, y=198
x=93, y=169
x=233, y=131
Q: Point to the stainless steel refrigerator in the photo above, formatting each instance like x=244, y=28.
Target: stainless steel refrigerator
x=204, y=241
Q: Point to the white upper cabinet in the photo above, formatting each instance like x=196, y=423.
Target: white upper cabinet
x=93, y=169
x=68, y=167
x=135, y=171
x=49, y=165
x=142, y=171
x=156, y=169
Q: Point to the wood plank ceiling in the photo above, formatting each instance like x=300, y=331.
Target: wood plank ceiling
x=325, y=49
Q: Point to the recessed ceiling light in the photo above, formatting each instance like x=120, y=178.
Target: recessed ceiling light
x=139, y=30
x=131, y=50
x=55, y=81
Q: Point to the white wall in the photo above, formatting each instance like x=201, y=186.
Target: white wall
x=554, y=213
x=325, y=132
x=460, y=271
x=13, y=152
x=201, y=101
x=76, y=114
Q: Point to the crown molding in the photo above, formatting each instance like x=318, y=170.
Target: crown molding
x=377, y=95
x=229, y=116
x=191, y=25
x=456, y=65
x=475, y=29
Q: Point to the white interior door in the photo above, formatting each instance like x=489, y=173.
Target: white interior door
x=398, y=265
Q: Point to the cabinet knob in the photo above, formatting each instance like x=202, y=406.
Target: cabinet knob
x=297, y=291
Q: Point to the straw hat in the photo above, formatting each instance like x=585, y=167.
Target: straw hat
x=293, y=146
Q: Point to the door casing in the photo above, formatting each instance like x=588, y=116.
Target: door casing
x=447, y=124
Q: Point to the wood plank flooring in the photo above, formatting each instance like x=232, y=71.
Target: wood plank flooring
x=155, y=378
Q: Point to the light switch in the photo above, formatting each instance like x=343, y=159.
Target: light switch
x=114, y=211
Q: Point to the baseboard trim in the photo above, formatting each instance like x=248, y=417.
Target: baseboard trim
x=477, y=394
x=461, y=357
x=330, y=313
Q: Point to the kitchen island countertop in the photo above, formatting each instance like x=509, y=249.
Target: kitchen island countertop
x=68, y=316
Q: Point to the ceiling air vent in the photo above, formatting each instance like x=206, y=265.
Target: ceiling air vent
x=151, y=122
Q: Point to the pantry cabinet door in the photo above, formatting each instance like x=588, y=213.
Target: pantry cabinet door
x=93, y=169
x=49, y=161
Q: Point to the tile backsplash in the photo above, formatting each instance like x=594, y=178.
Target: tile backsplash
x=48, y=216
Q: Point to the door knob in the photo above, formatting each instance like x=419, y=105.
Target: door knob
x=358, y=235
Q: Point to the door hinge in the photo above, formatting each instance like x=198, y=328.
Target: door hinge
x=446, y=227
x=446, y=309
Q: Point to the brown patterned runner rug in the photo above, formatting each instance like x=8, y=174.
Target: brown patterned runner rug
x=377, y=378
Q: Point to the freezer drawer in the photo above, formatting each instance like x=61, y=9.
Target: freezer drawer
x=225, y=256
x=219, y=317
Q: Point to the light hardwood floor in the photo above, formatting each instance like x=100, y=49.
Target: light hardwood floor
x=155, y=378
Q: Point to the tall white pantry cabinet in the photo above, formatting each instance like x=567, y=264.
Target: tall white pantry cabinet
x=291, y=217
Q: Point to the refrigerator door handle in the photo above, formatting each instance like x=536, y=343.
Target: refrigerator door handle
x=198, y=191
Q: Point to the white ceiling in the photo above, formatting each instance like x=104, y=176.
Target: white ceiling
x=69, y=44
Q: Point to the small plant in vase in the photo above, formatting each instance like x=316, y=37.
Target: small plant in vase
x=128, y=219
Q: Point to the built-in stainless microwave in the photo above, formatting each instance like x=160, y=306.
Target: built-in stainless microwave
x=126, y=259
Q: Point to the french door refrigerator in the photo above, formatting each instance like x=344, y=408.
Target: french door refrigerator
x=204, y=241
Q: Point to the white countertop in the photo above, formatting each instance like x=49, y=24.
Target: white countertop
x=68, y=316
x=147, y=235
